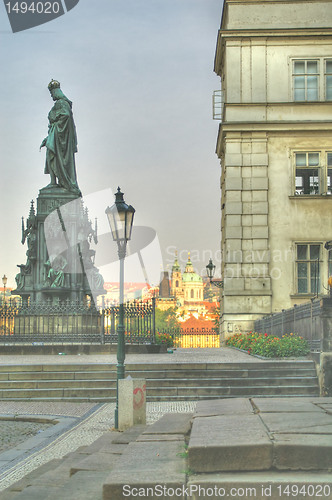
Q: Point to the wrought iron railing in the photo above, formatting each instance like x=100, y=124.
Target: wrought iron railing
x=72, y=322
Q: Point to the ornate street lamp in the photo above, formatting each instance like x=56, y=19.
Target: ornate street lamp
x=4, y=282
x=210, y=269
x=120, y=218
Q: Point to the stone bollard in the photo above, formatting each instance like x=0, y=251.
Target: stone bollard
x=132, y=402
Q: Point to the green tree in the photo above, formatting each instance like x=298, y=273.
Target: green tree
x=166, y=320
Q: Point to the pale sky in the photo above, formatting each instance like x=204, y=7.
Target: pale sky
x=140, y=75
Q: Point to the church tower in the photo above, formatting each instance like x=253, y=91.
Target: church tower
x=176, y=279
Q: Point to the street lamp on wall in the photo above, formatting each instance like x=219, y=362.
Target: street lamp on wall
x=120, y=217
x=4, y=282
x=210, y=269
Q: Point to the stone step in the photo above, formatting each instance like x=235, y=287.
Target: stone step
x=73, y=367
x=151, y=374
x=260, y=485
x=186, y=381
x=158, y=383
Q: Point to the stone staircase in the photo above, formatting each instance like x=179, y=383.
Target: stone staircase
x=165, y=381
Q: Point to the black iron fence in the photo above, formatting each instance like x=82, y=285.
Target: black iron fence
x=312, y=320
x=74, y=322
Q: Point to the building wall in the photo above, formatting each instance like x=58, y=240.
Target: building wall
x=262, y=130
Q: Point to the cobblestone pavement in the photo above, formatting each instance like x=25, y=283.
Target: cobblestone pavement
x=86, y=431
x=208, y=355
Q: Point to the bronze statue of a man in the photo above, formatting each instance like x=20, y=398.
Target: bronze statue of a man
x=61, y=142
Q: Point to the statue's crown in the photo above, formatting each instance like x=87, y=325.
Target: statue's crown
x=54, y=84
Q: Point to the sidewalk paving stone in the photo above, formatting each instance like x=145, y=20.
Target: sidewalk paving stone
x=280, y=405
x=223, y=407
x=296, y=422
x=229, y=442
x=147, y=465
x=171, y=423
x=302, y=452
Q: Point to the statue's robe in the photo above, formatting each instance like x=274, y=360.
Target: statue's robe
x=61, y=145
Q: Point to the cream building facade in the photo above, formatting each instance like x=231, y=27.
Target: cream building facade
x=274, y=58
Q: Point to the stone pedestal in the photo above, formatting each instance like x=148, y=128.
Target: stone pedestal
x=59, y=263
x=131, y=403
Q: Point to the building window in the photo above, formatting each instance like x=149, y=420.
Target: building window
x=308, y=268
x=176, y=283
x=306, y=80
x=329, y=263
x=191, y=294
x=328, y=79
x=307, y=173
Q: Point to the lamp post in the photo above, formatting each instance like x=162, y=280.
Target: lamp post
x=120, y=218
x=210, y=269
x=4, y=282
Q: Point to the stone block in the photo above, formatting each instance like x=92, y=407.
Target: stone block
x=233, y=220
x=259, y=183
x=299, y=422
x=129, y=435
x=233, y=171
x=246, y=172
x=280, y=405
x=233, y=196
x=171, y=423
x=82, y=486
x=247, y=220
x=98, y=461
x=233, y=245
x=260, y=232
x=246, y=147
x=160, y=437
x=147, y=465
x=260, y=207
x=233, y=159
x=233, y=147
x=246, y=196
x=247, y=208
x=272, y=485
x=247, y=244
x=260, y=244
x=233, y=232
x=132, y=402
x=259, y=220
x=259, y=146
x=229, y=443
x=233, y=284
x=259, y=171
x=259, y=159
x=223, y=407
x=233, y=208
x=247, y=232
x=259, y=195
x=233, y=183
x=257, y=284
x=246, y=185
x=303, y=451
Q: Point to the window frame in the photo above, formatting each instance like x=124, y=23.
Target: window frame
x=309, y=263
x=326, y=75
x=324, y=168
x=321, y=74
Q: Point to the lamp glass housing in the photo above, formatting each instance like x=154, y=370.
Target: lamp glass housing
x=120, y=218
x=210, y=269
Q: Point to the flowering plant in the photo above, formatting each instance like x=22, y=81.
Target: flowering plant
x=164, y=338
x=270, y=346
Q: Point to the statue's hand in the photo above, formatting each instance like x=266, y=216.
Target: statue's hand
x=43, y=144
